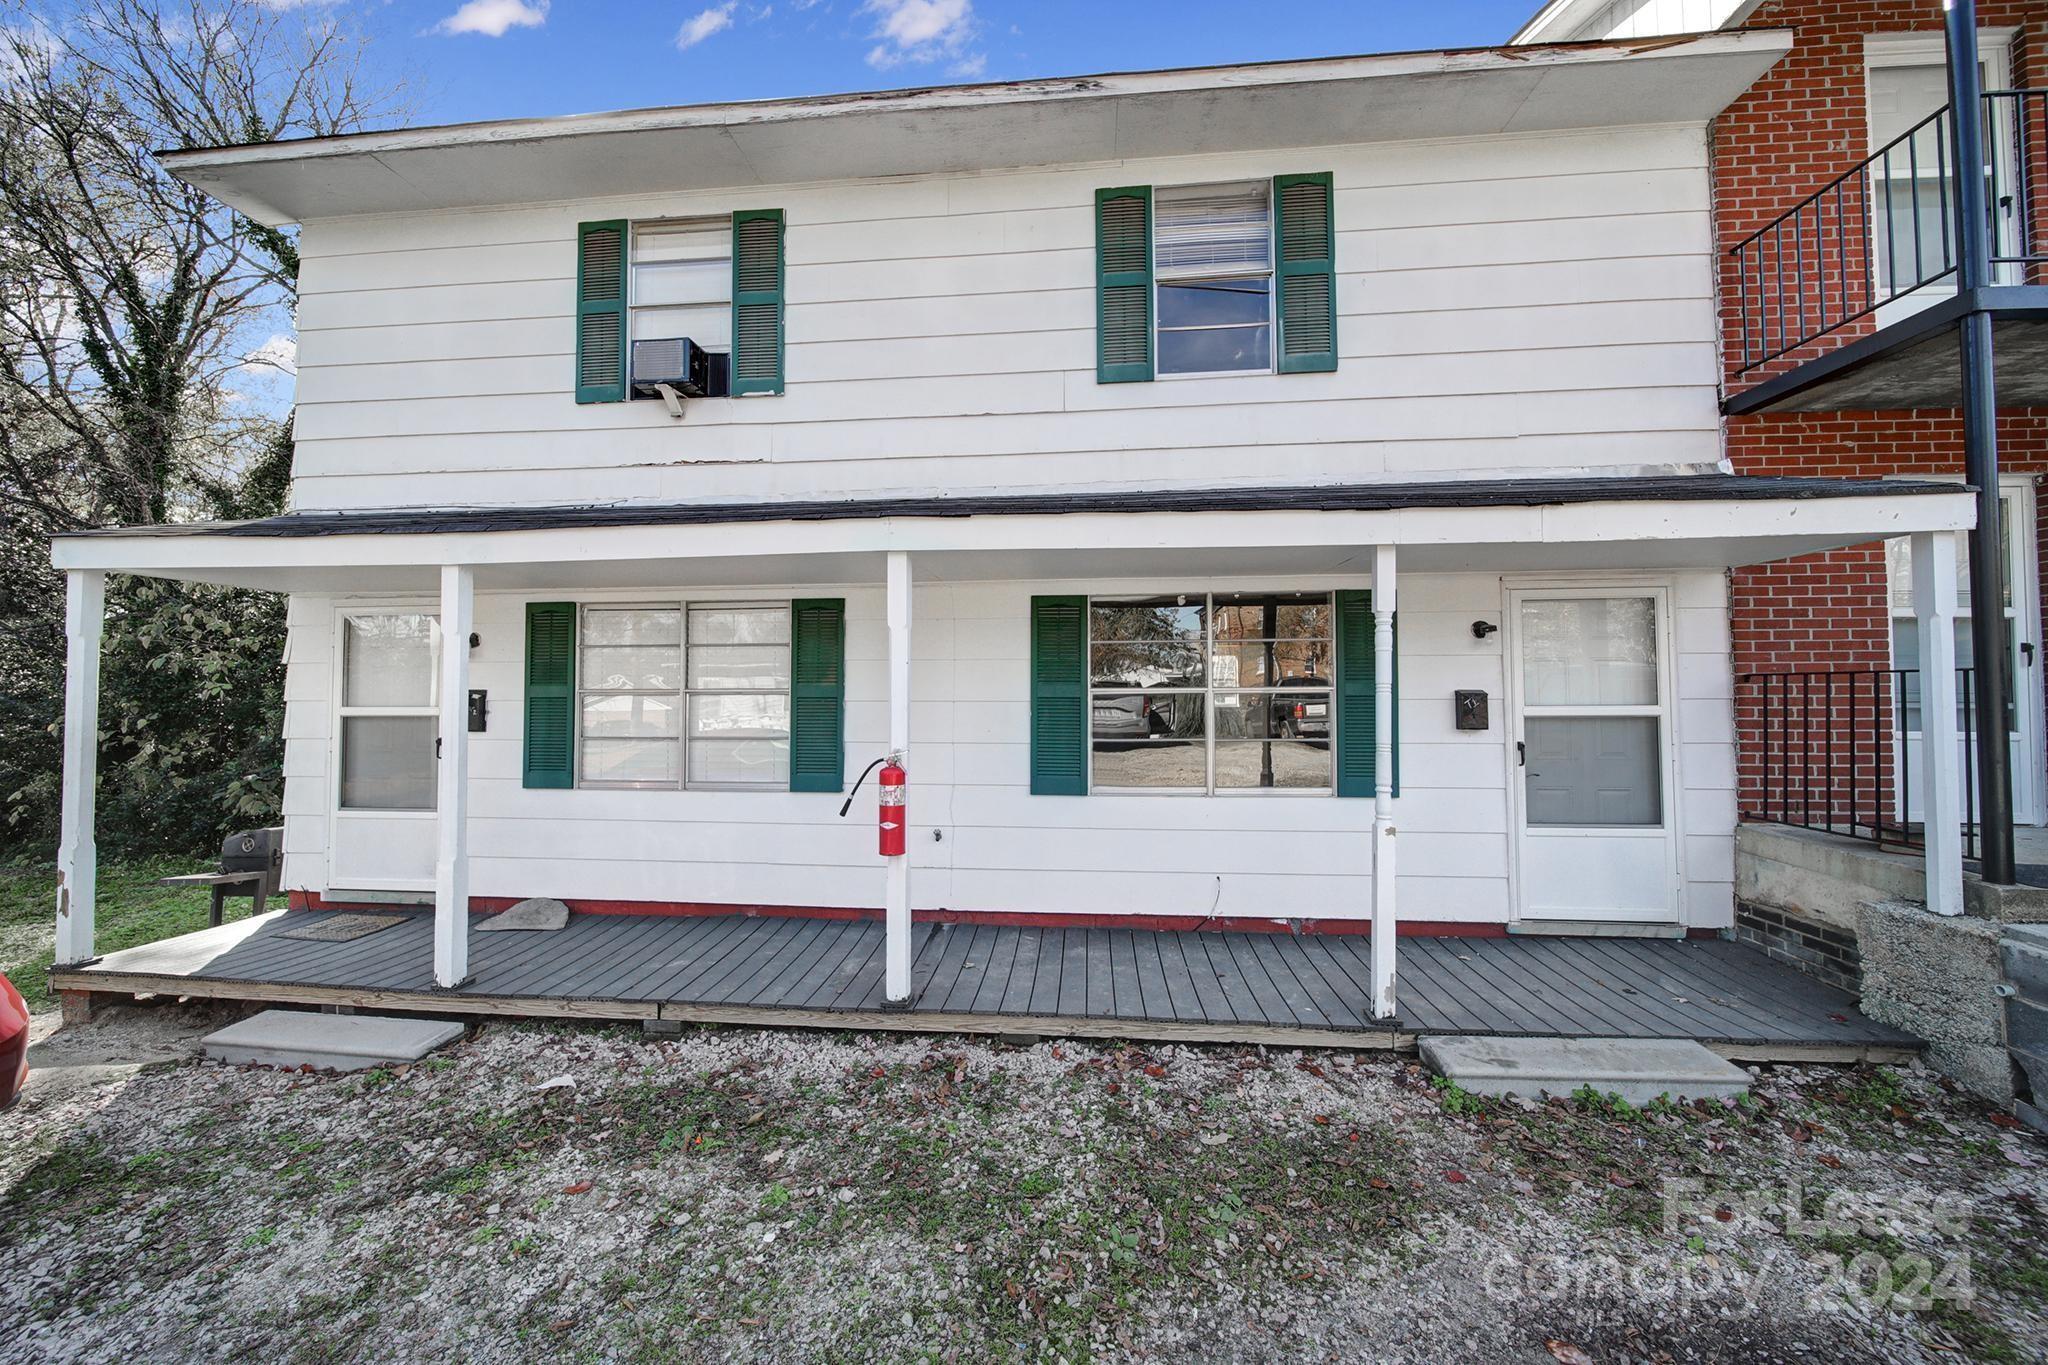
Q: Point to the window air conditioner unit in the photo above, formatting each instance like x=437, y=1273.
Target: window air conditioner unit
x=677, y=362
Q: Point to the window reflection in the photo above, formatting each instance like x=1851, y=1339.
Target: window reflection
x=1231, y=691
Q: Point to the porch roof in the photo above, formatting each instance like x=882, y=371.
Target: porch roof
x=1607, y=522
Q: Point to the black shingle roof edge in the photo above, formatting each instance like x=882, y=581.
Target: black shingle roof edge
x=1365, y=497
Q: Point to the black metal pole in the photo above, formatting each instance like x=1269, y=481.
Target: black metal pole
x=1980, y=447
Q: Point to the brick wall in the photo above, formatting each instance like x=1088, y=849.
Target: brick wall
x=1802, y=124
x=1821, y=951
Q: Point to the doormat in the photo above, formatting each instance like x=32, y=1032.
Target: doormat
x=342, y=928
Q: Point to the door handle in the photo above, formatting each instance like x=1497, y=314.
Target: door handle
x=1521, y=754
x=2027, y=652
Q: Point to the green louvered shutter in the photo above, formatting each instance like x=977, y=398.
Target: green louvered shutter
x=601, y=312
x=757, y=302
x=1357, y=765
x=1123, y=284
x=1059, y=696
x=550, y=694
x=817, y=695
x=1307, y=237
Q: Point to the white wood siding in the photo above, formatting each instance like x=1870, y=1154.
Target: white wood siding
x=1647, y=19
x=1004, y=849
x=1507, y=305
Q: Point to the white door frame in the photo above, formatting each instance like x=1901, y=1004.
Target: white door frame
x=1662, y=589
x=2018, y=493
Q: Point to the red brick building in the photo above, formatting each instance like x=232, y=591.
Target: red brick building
x=1861, y=76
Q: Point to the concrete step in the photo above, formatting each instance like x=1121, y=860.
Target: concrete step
x=1639, y=1070
x=328, y=1042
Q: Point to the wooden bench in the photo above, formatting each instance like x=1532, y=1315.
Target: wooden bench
x=223, y=885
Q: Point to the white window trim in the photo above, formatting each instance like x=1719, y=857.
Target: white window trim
x=1272, y=274
x=1208, y=692
x=682, y=694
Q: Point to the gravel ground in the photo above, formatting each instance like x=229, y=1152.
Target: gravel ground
x=546, y=1192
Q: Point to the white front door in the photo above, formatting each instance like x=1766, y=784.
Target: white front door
x=1591, y=729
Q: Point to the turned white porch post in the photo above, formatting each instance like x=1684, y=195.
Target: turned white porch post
x=1383, y=703
x=1941, y=806
x=85, y=609
x=896, y=929
x=451, y=803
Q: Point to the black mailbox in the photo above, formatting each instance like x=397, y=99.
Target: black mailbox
x=479, y=710
x=1471, y=710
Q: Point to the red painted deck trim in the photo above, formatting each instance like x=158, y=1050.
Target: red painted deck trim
x=313, y=900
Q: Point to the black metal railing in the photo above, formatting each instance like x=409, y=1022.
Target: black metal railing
x=1885, y=229
x=1832, y=750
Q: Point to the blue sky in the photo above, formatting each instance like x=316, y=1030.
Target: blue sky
x=483, y=59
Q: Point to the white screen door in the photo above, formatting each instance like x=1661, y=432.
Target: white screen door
x=385, y=752
x=1594, y=829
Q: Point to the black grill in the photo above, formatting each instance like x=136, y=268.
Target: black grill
x=256, y=850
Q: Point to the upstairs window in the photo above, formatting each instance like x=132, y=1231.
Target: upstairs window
x=716, y=281
x=1213, y=273
x=1224, y=279
x=681, y=286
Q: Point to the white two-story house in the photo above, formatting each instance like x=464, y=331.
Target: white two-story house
x=1289, y=492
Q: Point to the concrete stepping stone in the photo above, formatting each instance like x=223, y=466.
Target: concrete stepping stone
x=328, y=1042
x=536, y=912
x=1637, y=1069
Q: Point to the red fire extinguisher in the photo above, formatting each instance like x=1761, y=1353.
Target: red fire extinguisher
x=894, y=825
x=890, y=809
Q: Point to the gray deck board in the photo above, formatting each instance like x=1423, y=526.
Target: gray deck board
x=1016, y=997
x=835, y=968
x=699, y=937
x=1579, y=987
x=1002, y=962
x=787, y=985
x=1467, y=1009
x=1073, y=993
x=1673, y=996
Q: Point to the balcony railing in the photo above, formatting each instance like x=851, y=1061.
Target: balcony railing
x=1833, y=750
x=1885, y=229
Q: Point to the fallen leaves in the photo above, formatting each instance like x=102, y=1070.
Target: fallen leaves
x=580, y=1187
x=1565, y=1353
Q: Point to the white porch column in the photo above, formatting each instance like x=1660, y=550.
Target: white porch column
x=896, y=930
x=85, y=610
x=1383, y=703
x=451, y=803
x=1941, y=805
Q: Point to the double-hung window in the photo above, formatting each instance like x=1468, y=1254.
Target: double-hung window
x=1213, y=277
x=1211, y=692
x=389, y=722
x=681, y=286
x=684, y=695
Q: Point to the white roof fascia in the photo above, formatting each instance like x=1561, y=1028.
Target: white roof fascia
x=962, y=129
x=1688, y=533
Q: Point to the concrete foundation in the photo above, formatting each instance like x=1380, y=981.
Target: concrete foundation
x=1943, y=979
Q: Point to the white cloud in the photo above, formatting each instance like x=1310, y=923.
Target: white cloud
x=707, y=22
x=969, y=67
x=280, y=352
x=924, y=31
x=494, y=18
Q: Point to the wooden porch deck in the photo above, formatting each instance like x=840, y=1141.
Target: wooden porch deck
x=1308, y=990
